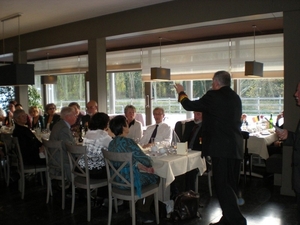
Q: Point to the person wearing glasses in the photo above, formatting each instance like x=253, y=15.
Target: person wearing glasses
x=51, y=117
x=91, y=109
x=157, y=132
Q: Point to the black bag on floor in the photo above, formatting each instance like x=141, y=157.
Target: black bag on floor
x=186, y=206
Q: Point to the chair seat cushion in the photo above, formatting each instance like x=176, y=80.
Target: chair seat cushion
x=125, y=193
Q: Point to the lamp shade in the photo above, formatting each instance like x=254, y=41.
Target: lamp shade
x=49, y=79
x=158, y=73
x=253, y=69
x=17, y=74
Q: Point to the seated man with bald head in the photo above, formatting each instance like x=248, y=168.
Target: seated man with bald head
x=91, y=109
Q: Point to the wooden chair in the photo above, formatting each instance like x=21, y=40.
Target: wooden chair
x=17, y=160
x=247, y=156
x=55, y=167
x=127, y=192
x=81, y=177
x=7, y=141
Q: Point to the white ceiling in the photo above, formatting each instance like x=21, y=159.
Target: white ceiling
x=41, y=14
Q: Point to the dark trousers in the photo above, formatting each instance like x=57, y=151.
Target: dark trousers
x=226, y=178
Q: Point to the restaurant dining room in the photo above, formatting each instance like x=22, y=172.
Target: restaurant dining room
x=101, y=76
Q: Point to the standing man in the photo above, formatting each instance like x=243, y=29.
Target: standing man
x=91, y=109
x=293, y=139
x=222, y=140
x=61, y=131
x=157, y=132
x=135, y=126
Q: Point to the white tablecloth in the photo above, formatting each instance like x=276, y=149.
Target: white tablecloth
x=169, y=166
x=257, y=144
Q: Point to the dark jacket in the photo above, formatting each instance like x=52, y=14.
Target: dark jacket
x=29, y=145
x=187, y=134
x=293, y=139
x=55, y=119
x=40, y=123
x=221, y=127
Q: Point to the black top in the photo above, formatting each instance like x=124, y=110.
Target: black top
x=55, y=119
x=39, y=123
x=188, y=133
x=29, y=145
x=221, y=125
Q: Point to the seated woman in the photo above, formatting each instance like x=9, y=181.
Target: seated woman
x=119, y=127
x=95, y=139
x=36, y=119
x=30, y=146
x=76, y=126
x=51, y=117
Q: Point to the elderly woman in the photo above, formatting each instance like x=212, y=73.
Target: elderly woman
x=30, y=146
x=142, y=163
x=51, y=117
x=36, y=119
x=95, y=139
x=76, y=126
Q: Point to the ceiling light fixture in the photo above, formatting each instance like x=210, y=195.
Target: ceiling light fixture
x=15, y=74
x=159, y=73
x=49, y=79
x=253, y=68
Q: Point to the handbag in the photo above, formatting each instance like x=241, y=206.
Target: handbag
x=186, y=206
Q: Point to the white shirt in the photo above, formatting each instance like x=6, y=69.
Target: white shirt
x=164, y=133
x=95, y=140
x=135, y=130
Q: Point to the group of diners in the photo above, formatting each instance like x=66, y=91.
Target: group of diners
x=121, y=133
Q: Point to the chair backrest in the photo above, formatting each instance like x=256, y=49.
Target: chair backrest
x=140, y=118
x=245, y=135
x=15, y=155
x=75, y=153
x=7, y=139
x=179, y=129
x=54, y=159
x=115, y=162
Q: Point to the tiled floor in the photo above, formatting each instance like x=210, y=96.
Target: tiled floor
x=263, y=205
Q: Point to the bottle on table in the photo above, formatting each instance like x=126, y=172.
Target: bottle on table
x=80, y=138
x=271, y=122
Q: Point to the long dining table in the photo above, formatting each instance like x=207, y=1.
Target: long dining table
x=167, y=167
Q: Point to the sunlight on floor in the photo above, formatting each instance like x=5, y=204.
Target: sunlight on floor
x=265, y=220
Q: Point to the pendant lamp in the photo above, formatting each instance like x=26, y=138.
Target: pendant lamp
x=253, y=68
x=15, y=74
x=159, y=73
x=49, y=79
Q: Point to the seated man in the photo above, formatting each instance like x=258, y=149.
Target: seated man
x=135, y=126
x=193, y=135
x=30, y=146
x=61, y=131
x=91, y=109
x=157, y=132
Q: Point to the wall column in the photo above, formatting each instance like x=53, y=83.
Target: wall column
x=291, y=78
x=21, y=92
x=97, y=72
